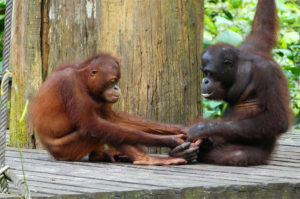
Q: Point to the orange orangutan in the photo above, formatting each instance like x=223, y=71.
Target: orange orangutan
x=72, y=116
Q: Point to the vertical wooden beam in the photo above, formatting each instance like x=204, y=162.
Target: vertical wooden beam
x=159, y=44
x=26, y=66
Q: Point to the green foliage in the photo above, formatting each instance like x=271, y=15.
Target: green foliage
x=230, y=37
x=230, y=20
x=212, y=109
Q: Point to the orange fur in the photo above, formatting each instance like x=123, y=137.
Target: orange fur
x=72, y=118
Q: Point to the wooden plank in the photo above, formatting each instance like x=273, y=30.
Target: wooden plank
x=179, y=170
x=193, y=175
x=49, y=178
x=8, y=196
x=201, y=167
x=85, y=184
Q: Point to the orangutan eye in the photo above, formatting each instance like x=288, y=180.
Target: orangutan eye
x=207, y=73
x=113, y=82
x=94, y=72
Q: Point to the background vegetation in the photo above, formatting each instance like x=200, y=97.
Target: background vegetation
x=230, y=20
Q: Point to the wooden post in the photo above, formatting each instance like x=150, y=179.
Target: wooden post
x=25, y=62
x=158, y=42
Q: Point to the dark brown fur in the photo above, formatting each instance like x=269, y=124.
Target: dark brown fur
x=256, y=90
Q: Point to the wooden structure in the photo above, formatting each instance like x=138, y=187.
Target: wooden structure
x=5, y=173
x=53, y=179
x=158, y=42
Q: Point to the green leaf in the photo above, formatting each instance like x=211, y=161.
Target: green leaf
x=290, y=19
x=294, y=70
x=230, y=37
x=228, y=14
x=209, y=23
x=291, y=37
x=214, y=104
x=285, y=52
x=206, y=42
x=223, y=21
x=208, y=35
x=236, y=3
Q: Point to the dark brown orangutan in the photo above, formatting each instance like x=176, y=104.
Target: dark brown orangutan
x=256, y=90
x=72, y=117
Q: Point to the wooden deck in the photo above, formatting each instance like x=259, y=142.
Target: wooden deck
x=49, y=178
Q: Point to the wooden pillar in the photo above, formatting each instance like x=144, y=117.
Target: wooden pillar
x=25, y=61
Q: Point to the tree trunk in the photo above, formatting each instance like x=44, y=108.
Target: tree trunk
x=158, y=43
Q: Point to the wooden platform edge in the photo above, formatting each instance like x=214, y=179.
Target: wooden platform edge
x=8, y=196
x=280, y=190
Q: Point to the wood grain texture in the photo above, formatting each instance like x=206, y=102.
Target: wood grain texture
x=25, y=61
x=279, y=179
x=158, y=43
